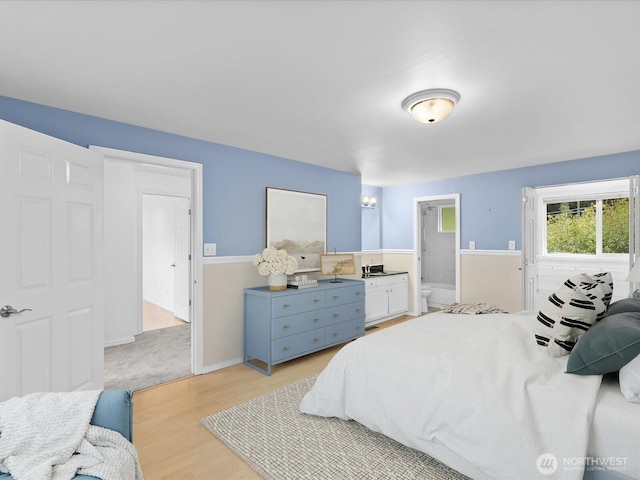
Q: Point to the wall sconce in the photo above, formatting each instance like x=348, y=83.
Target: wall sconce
x=368, y=202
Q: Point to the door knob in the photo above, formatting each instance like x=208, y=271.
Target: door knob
x=8, y=310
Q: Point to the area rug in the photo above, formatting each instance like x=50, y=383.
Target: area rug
x=271, y=435
x=156, y=357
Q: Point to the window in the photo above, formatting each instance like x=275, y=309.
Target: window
x=446, y=219
x=591, y=227
x=580, y=227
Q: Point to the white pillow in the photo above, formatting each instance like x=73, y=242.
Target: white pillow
x=630, y=380
x=567, y=315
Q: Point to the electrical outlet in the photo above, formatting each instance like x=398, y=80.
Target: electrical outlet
x=472, y=244
x=209, y=249
x=512, y=244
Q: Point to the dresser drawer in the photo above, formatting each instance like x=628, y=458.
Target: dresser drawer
x=345, y=295
x=342, y=331
x=295, y=344
x=291, y=304
x=301, y=322
x=342, y=313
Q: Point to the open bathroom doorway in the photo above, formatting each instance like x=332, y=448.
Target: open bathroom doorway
x=436, y=251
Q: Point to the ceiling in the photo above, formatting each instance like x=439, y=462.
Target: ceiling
x=321, y=82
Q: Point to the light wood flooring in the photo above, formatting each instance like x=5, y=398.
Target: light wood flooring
x=170, y=441
x=155, y=317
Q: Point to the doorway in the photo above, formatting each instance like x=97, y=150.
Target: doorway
x=128, y=178
x=436, y=250
x=165, y=261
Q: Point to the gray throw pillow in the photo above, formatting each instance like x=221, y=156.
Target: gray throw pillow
x=624, y=305
x=608, y=345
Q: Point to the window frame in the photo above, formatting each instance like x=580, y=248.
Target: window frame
x=593, y=191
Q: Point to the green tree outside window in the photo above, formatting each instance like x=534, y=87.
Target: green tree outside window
x=572, y=226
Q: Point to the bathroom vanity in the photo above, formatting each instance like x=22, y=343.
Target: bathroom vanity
x=387, y=296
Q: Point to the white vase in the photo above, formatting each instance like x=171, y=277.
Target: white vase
x=277, y=281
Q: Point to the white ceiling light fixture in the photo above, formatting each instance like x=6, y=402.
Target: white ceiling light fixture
x=431, y=106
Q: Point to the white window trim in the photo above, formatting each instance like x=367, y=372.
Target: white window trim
x=598, y=190
x=543, y=274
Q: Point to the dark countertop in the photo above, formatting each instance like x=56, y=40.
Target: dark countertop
x=386, y=273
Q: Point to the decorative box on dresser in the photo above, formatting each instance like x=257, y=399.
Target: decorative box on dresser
x=281, y=326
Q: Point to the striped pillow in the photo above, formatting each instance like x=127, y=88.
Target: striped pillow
x=588, y=284
x=568, y=314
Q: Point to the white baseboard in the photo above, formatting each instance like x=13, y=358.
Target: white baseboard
x=221, y=365
x=122, y=341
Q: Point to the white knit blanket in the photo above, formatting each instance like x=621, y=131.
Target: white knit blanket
x=47, y=436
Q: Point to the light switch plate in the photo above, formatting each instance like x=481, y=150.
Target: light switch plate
x=512, y=244
x=209, y=249
x=472, y=244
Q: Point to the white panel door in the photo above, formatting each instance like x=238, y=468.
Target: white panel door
x=51, y=256
x=529, y=250
x=182, y=260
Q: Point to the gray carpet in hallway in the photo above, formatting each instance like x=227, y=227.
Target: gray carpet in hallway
x=156, y=357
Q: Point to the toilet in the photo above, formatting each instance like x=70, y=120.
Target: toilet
x=425, y=293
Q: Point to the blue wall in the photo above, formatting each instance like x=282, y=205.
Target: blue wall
x=234, y=180
x=491, y=203
x=371, y=226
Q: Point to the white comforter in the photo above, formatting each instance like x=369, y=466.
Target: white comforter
x=471, y=390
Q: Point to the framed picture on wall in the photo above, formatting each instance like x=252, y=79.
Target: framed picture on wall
x=297, y=223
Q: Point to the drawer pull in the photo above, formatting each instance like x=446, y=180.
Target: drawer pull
x=336, y=315
x=335, y=297
x=358, y=310
x=286, y=305
x=358, y=328
x=285, y=326
x=315, y=320
x=316, y=300
x=284, y=349
x=335, y=334
x=315, y=340
x=358, y=293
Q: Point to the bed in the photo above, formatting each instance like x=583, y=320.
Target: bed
x=476, y=393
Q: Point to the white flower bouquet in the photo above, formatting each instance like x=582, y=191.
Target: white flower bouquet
x=271, y=260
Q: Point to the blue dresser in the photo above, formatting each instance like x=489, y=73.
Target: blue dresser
x=281, y=326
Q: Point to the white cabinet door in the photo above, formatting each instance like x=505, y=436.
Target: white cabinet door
x=376, y=303
x=398, y=297
x=51, y=205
